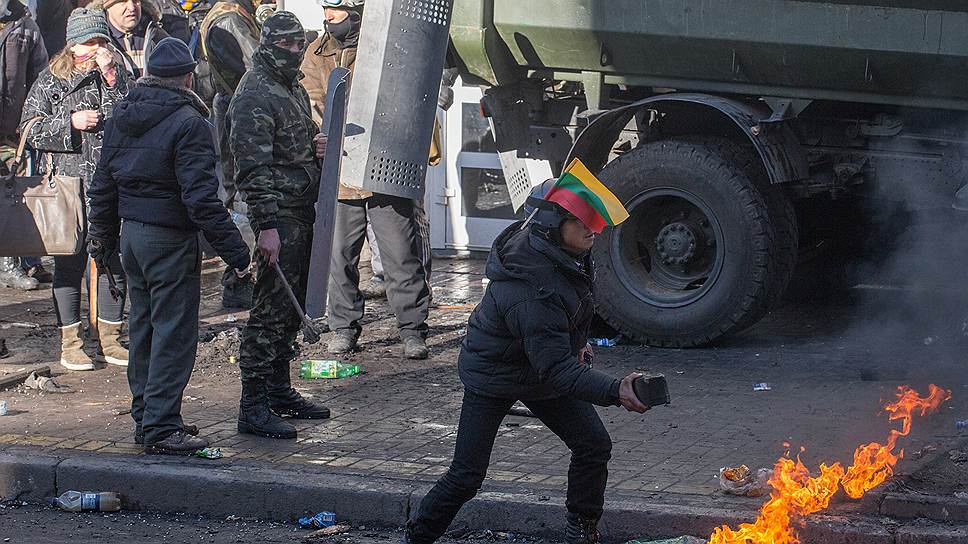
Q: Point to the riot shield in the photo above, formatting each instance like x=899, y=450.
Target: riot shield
x=334, y=116
x=393, y=101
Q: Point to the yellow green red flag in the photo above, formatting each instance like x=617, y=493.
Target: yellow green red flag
x=583, y=195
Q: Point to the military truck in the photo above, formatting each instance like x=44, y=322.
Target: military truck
x=736, y=132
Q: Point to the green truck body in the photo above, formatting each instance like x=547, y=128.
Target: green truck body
x=731, y=129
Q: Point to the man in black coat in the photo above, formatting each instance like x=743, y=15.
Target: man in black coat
x=527, y=341
x=157, y=176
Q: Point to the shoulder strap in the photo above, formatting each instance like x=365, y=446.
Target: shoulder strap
x=15, y=166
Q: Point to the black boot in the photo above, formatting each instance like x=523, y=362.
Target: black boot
x=256, y=418
x=581, y=530
x=177, y=443
x=286, y=401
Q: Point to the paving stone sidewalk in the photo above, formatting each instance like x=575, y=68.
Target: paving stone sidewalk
x=828, y=376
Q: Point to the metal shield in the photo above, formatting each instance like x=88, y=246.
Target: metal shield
x=393, y=100
x=334, y=116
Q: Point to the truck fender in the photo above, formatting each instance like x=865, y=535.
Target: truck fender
x=777, y=145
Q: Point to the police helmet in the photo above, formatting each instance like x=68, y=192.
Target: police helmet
x=544, y=213
x=349, y=4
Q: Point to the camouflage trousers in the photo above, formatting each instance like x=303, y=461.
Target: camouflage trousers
x=270, y=335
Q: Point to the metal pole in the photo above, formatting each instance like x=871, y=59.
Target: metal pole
x=280, y=5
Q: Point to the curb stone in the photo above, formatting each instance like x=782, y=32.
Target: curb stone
x=31, y=479
x=251, y=490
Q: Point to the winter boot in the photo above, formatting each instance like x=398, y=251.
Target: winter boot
x=177, y=443
x=581, y=530
x=139, y=434
x=415, y=347
x=255, y=416
x=11, y=275
x=343, y=341
x=39, y=273
x=72, y=349
x=286, y=401
x=374, y=289
x=110, y=350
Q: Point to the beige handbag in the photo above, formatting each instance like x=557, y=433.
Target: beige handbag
x=40, y=215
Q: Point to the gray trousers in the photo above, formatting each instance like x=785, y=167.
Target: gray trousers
x=164, y=283
x=395, y=230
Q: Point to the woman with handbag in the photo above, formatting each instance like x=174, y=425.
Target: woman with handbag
x=64, y=117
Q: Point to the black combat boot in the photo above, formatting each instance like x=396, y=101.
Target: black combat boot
x=256, y=418
x=581, y=530
x=177, y=443
x=286, y=401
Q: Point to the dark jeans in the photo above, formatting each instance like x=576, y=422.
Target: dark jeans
x=164, y=280
x=69, y=273
x=575, y=422
x=407, y=289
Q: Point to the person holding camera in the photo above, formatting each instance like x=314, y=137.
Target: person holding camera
x=527, y=341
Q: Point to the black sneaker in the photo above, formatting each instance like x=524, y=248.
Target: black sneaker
x=177, y=443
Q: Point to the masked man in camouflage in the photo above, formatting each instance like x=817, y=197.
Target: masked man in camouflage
x=276, y=146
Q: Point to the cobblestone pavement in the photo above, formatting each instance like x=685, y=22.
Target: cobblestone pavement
x=829, y=367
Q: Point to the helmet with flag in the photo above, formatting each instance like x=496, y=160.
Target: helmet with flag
x=340, y=3
x=576, y=193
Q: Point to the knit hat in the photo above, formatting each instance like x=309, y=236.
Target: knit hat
x=282, y=25
x=86, y=24
x=170, y=58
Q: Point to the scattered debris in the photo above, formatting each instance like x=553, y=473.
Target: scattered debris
x=328, y=531
x=961, y=423
x=963, y=495
x=208, y=453
x=45, y=384
x=320, y=520
x=522, y=411
x=605, y=342
x=19, y=325
x=231, y=319
x=3, y=407
x=928, y=341
x=762, y=386
x=958, y=456
x=925, y=451
x=686, y=539
x=121, y=412
x=741, y=481
x=4, y=352
x=232, y=360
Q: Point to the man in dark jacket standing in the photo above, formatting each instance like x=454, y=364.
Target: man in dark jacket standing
x=527, y=341
x=272, y=139
x=135, y=27
x=162, y=204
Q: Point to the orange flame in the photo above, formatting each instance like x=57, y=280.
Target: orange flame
x=796, y=494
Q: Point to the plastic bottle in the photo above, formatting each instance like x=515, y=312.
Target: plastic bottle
x=88, y=501
x=961, y=424
x=315, y=369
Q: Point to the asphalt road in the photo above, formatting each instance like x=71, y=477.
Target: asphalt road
x=41, y=525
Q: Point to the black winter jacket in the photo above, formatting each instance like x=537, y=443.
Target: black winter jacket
x=523, y=338
x=158, y=167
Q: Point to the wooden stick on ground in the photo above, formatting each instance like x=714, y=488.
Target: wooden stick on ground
x=92, y=297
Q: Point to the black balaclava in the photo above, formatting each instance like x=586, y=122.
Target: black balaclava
x=347, y=31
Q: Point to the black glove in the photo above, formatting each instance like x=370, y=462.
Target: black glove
x=100, y=251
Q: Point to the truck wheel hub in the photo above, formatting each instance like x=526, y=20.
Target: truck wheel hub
x=676, y=244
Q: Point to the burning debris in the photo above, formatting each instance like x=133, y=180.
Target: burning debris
x=797, y=494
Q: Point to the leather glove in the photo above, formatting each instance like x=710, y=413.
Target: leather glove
x=100, y=251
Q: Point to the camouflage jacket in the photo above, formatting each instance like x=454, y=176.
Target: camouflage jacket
x=271, y=137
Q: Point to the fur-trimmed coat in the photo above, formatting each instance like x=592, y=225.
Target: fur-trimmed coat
x=158, y=167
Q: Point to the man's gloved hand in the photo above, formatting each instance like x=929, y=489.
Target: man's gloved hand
x=100, y=251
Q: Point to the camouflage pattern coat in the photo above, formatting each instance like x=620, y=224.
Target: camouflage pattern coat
x=271, y=138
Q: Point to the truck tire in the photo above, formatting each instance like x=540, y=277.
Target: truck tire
x=708, y=249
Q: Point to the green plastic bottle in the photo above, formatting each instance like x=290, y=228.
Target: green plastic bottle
x=315, y=369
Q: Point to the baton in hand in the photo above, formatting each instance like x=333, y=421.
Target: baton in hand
x=309, y=331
